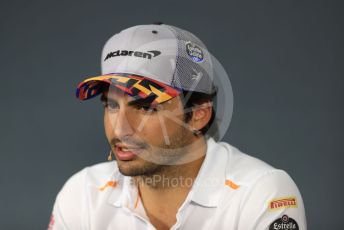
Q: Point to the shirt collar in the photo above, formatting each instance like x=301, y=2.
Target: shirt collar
x=126, y=193
x=210, y=180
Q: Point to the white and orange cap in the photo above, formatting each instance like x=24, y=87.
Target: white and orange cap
x=154, y=62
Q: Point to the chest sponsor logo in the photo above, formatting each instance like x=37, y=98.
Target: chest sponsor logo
x=286, y=202
x=284, y=223
x=148, y=55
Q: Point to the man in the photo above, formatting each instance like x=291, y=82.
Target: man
x=157, y=90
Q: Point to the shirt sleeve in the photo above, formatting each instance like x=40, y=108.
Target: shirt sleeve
x=68, y=210
x=272, y=202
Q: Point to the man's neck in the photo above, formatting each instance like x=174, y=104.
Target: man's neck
x=175, y=177
x=163, y=193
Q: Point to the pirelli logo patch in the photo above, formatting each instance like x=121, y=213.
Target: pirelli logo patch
x=285, y=202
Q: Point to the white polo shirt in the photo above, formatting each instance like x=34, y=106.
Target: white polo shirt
x=232, y=191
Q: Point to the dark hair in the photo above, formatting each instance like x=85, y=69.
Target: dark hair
x=190, y=99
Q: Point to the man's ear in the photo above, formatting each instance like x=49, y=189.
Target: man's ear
x=201, y=115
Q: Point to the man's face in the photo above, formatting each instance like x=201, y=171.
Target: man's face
x=145, y=138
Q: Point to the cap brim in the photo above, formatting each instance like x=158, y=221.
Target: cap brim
x=136, y=86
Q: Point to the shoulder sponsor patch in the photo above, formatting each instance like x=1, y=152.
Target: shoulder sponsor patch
x=284, y=202
x=284, y=223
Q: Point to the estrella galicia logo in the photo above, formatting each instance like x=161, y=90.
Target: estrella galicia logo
x=284, y=223
x=149, y=54
x=195, y=52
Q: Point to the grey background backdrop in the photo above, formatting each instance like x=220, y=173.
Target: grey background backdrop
x=285, y=59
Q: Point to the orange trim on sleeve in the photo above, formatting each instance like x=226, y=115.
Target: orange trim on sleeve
x=231, y=184
x=112, y=184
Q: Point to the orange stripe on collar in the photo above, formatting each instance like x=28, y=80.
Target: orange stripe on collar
x=231, y=184
x=112, y=184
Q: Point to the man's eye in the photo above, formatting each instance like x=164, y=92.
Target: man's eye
x=147, y=108
x=110, y=105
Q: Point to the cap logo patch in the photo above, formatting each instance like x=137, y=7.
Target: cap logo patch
x=194, y=52
x=148, y=55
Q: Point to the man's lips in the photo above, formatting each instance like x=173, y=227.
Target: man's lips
x=124, y=153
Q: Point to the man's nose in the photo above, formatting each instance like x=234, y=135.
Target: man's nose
x=122, y=126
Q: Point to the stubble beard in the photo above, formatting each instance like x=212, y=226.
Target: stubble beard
x=158, y=160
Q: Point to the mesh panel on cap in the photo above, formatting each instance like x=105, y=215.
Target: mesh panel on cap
x=191, y=75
